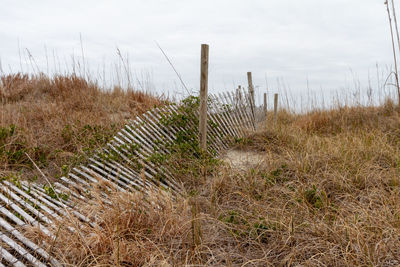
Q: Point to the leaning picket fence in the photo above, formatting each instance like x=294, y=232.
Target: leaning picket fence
x=137, y=151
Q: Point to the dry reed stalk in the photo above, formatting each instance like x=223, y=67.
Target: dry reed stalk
x=396, y=73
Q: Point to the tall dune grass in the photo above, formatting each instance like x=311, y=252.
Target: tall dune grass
x=59, y=120
x=324, y=192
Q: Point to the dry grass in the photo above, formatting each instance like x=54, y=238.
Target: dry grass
x=128, y=232
x=326, y=194
x=59, y=120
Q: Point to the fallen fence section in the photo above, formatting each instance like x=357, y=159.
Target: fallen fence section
x=131, y=161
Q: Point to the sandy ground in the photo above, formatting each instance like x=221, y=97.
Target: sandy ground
x=243, y=160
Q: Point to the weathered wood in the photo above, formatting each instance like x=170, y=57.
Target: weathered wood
x=107, y=177
x=19, y=236
x=10, y=258
x=217, y=131
x=39, y=196
x=275, y=109
x=203, y=97
x=26, y=205
x=89, y=178
x=122, y=179
x=240, y=107
x=132, y=175
x=234, y=114
x=265, y=104
x=21, y=251
x=246, y=108
x=221, y=120
x=230, y=114
x=25, y=215
x=78, y=181
x=34, y=201
x=251, y=93
x=143, y=156
x=68, y=191
x=238, y=113
x=224, y=109
x=219, y=111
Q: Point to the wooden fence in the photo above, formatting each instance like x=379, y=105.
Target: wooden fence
x=134, y=160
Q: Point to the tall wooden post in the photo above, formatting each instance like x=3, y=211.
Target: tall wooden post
x=203, y=97
x=251, y=93
x=275, y=108
x=251, y=88
x=265, y=110
x=265, y=103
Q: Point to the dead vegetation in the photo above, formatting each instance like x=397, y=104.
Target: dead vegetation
x=59, y=120
x=325, y=194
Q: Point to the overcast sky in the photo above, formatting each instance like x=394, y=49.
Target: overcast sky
x=327, y=42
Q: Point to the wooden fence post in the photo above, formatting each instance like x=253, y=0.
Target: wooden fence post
x=275, y=108
x=203, y=97
x=265, y=103
x=251, y=92
x=196, y=227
